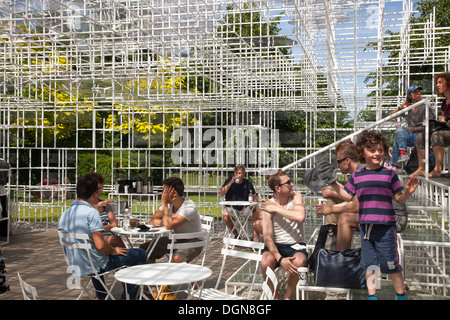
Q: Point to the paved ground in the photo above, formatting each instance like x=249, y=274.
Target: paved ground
x=39, y=258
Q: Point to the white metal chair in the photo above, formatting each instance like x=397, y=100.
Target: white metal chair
x=243, y=249
x=80, y=242
x=208, y=225
x=268, y=293
x=195, y=240
x=27, y=289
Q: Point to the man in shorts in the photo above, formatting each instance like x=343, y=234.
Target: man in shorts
x=282, y=222
x=179, y=214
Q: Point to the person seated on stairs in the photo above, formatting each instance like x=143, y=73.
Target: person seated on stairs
x=406, y=136
x=439, y=139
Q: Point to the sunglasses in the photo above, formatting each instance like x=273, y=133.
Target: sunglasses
x=340, y=160
x=287, y=182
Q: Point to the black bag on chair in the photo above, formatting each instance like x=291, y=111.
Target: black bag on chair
x=325, y=240
x=340, y=269
x=413, y=162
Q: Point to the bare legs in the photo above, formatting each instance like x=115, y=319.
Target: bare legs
x=439, y=156
x=298, y=260
x=346, y=224
x=421, y=169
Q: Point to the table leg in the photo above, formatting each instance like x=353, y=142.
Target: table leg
x=240, y=223
x=126, y=241
x=193, y=287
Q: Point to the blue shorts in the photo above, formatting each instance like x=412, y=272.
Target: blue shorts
x=286, y=250
x=380, y=249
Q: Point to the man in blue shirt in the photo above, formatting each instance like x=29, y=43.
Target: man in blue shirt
x=237, y=188
x=82, y=218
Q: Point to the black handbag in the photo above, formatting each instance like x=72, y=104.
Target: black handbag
x=435, y=125
x=325, y=240
x=413, y=162
x=340, y=269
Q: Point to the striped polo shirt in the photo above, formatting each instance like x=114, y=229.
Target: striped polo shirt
x=374, y=189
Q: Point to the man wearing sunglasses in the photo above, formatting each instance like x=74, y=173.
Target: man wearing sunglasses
x=347, y=162
x=282, y=221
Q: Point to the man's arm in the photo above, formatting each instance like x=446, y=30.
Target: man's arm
x=298, y=214
x=104, y=247
x=267, y=226
x=171, y=221
x=333, y=191
x=402, y=106
x=224, y=190
x=156, y=219
x=340, y=191
x=347, y=206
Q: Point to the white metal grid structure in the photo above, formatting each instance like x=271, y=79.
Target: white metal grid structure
x=193, y=87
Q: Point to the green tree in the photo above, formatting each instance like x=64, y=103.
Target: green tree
x=420, y=73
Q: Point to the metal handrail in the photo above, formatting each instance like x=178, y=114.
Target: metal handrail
x=350, y=136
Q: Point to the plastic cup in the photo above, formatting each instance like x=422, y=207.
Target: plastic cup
x=302, y=276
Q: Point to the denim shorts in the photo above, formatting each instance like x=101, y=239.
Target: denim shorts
x=380, y=249
x=286, y=250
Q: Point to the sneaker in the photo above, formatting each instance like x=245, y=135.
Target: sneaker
x=401, y=296
x=402, y=159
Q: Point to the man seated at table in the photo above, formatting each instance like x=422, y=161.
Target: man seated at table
x=82, y=218
x=179, y=214
x=237, y=188
x=282, y=221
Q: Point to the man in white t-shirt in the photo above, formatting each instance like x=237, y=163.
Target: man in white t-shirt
x=177, y=213
x=282, y=222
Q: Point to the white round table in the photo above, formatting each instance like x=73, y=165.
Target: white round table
x=164, y=274
x=133, y=237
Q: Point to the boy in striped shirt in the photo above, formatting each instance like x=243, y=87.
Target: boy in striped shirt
x=371, y=190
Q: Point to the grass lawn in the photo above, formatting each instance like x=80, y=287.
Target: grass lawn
x=46, y=210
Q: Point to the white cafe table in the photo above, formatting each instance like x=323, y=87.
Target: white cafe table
x=134, y=237
x=157, y=275
x=240, y=218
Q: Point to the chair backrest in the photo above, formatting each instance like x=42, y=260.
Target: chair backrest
x=76, y=241
x=27, y=289
x=243, y=249
x=238, y=248
x=268, y=293
x=208, y=225
x=195, y=240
